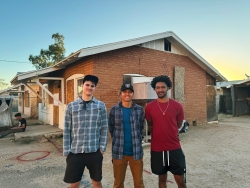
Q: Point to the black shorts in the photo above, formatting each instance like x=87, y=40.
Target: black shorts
x=77, y=162
x=173, y=161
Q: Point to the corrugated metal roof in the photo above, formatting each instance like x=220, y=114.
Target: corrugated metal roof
x=231, y=83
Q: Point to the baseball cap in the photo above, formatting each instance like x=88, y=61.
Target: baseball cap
x=91, y=78
x=127, y=86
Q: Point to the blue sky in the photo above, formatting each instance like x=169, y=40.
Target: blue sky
x=219, y=30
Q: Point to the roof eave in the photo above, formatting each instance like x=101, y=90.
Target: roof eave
x=10, y=88
x=122, y=44
x=171, y=36
x=60, y=65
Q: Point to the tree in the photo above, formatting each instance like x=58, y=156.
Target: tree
x=3, y=85
x=50, y=56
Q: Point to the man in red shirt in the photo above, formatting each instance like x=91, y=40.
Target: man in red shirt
x=164, y=117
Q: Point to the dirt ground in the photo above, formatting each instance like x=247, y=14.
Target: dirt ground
x=217, y=155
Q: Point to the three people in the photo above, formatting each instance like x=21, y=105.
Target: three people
x=126, y=124
x=86, y=127
x=85, y=135
x=164, y=117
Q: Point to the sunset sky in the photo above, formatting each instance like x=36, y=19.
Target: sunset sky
x=218, y=30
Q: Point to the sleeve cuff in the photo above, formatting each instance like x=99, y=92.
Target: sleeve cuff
x=65, y=153
x=103, y=149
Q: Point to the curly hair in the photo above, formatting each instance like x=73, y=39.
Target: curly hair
x=161, y=78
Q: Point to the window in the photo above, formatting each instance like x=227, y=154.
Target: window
x=167, y=45
x=45, y=96
x=74, y=87
x=79, y=87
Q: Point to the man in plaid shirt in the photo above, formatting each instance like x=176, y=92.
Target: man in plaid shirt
x=85, y=135
x=126, y=123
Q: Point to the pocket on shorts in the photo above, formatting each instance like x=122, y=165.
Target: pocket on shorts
x=67, y=158
x=101, y=154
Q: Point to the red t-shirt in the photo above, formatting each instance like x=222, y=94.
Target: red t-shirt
x=164, y=135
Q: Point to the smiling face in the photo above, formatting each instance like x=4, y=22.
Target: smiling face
x=88, y=88
x=161, y=89
x=127, y=95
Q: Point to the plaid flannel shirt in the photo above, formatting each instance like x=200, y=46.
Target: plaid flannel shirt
x=117, y=131
x=85, y=127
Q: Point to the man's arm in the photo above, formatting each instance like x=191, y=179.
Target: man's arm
x=21, y=127
x=67, y=131
x=148, y=118
x=142, y=120
x=23, y=123
x=104, y=130
x=179, y=124
x=180, y=116
x=149, y=125
x=111, y=122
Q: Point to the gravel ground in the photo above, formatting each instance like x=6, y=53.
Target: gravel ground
x=217, y=155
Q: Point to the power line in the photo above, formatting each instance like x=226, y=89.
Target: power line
x=14, y=61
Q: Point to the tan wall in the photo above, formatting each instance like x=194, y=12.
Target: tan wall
x=30, y=102
x=34, y=102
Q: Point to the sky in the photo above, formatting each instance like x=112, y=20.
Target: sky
x=218, y=30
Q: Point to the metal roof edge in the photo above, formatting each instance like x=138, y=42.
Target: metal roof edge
x=198, y=56
x=242, y=81
x=44, y=70
x=131, y=42
x=9, y=88
x=123, y=44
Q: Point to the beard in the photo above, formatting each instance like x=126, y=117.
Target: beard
x=161, y=95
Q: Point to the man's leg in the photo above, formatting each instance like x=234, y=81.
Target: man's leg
x=94, y=165
x=5, y=128
x=119, y=167
x=6, y=133
x=163, y=181
x=159, y=168
x=136, y=167
x=180, y=180
x=178, y=166
x=74, y=169
x=96, y=184
x=75, y=185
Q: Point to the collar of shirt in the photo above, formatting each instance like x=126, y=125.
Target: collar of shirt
x=81, y=100
x=120, y=105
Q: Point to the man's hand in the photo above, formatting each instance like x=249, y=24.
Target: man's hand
x=102, y=152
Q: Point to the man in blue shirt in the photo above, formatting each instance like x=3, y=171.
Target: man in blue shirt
x=126, y=123
x=85, y=136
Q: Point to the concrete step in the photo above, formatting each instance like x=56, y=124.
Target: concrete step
x=38, y=132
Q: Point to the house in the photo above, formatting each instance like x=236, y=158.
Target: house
x=164, y=53
x=24, y=98
x=234, y=97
